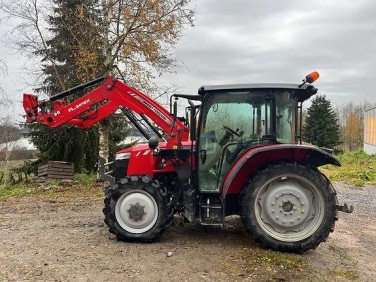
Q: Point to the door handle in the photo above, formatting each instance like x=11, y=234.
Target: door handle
x=203, y=156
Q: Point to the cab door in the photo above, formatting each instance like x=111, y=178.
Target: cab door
x=230, y=122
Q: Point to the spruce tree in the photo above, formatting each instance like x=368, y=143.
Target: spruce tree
x=71, y=19
x=321, y=125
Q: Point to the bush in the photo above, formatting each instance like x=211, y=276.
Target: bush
x=85, y=179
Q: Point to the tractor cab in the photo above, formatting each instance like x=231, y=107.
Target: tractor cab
x=236, y=118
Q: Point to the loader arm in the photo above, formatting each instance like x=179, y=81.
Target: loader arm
x=99, y=103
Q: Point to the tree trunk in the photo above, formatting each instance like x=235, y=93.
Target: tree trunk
x=104, y=137
x=7, y=146
x=7, y=153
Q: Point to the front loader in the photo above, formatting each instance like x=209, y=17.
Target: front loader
x=237, y=151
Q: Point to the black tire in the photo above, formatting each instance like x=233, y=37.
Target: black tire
x=151, y=213
x=289, y=207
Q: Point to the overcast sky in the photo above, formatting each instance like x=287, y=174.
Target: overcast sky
x=244, y=41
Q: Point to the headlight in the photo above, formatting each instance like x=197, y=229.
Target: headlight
x=122, y=156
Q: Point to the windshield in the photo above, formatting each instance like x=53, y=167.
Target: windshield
x=246, y=112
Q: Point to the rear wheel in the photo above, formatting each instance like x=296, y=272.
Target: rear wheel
x=137, y=208
x=289, y=207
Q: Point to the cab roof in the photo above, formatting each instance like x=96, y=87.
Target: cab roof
x=303, y=92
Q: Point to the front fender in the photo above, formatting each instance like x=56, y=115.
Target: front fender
x=259, y=157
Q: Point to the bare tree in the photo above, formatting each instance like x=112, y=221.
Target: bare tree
x=9, y=134
x=4, y=101
x=136, y=35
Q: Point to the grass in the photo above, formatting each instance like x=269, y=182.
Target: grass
x=85, y=185
x=278, y=259
x=85, y=179
x=358, y=169
x=255, y=261
x=348, y=274
x=8, y=191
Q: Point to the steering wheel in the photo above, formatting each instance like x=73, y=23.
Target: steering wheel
x=231, y=131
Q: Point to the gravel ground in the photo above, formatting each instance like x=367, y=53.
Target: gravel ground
x=65, y=239
x=350, y=252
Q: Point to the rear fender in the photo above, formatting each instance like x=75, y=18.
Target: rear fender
x=256, y=158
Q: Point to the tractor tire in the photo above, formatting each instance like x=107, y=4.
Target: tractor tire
x=137, y=208
x=289, y=207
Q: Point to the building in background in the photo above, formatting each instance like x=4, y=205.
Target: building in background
x=370, y=131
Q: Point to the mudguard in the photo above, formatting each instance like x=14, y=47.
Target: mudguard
x=258, y=157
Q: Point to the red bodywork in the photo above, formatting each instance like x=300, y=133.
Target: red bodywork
x=102, y=102
x=142, y=160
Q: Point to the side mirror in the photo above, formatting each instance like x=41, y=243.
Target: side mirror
x=312, y=90
x=153, y=143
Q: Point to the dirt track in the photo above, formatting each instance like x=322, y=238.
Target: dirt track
x=65, y=239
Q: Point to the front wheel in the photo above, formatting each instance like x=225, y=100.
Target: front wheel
x=289, y=207
x=137, y=208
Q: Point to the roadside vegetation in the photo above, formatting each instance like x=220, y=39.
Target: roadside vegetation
x=83, y=185
x=358, y=169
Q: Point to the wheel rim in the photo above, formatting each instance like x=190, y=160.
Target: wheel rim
x=136, y=211
x=289, y=208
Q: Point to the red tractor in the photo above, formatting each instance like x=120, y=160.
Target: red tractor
x=237, y=151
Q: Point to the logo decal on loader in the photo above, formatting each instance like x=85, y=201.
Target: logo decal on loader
x=83, y=103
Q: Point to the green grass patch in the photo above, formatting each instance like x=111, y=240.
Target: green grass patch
x=8, y=190
x=358, y=169
x=348, y=274
x=273, y=259
x=255, y=261
x=83, y=186
x=85, y=179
